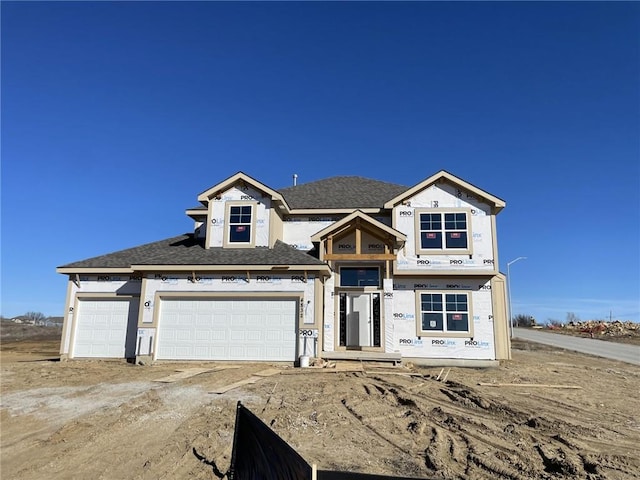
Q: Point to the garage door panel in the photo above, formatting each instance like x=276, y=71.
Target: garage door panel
x=201, y=351
x=184, y=335
x=233, y=329
x=256, y=352
x=254, y=336
x=219, y=351
x=203, y=336
x=237, y=335
x=274, y=336
x=105, y=328
x=218, y=335
x=239, y=320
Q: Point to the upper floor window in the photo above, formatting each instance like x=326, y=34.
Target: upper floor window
x=444, y=313
x=446, y=232
x=240, y=224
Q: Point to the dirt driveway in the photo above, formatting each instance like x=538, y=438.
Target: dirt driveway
x=113, y=420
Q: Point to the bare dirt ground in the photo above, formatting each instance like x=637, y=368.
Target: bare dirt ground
x=111, y=420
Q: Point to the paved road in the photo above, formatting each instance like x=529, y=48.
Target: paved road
x=599, y=348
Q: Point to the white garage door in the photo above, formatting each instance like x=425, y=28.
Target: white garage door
x=227, y=329
x=101, y=328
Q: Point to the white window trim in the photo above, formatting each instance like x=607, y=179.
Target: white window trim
x=227, y=224
x=443, y=250
x=443, y=333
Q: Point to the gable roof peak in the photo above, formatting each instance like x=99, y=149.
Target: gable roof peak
x=233, y=179
x=445, y=176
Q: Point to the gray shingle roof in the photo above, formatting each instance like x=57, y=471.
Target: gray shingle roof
x=341, y=192
x=186, y=250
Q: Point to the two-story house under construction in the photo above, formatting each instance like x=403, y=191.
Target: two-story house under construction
x=345, y=267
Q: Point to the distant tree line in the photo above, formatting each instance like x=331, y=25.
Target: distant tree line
x=35, y=318
x=523, y=321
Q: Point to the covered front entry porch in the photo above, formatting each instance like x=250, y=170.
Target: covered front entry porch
x=360, y=251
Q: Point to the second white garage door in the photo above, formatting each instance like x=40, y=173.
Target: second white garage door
x=227, y=329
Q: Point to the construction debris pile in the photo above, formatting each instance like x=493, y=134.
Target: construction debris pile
x=596, y=328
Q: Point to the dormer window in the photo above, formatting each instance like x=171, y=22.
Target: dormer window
x=240, y=225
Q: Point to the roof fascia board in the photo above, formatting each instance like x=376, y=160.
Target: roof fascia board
x=498, y=203
x=72, y=270
x=337, y=226
x=196, y=214
x=209, y=193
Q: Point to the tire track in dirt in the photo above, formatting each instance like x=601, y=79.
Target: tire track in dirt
x=453, y=430
x=449, y=446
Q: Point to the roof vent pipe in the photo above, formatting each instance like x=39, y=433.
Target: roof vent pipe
x=295, y=179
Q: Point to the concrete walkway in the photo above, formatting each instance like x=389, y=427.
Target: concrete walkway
x=599, y=348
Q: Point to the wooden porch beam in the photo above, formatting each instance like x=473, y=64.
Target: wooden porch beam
x=363, y=256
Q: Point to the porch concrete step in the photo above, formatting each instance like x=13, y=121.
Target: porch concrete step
x=362, y=355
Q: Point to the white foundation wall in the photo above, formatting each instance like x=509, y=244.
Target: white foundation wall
x=107, y=285
x=217, y=215
x=405, y=318
x=445, y=196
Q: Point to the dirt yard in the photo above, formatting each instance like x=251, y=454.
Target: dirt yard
x=114, y=420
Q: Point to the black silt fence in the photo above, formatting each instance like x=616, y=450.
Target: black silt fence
x=260, y=454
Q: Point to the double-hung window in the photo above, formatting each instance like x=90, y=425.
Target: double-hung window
x=240, y=224
x=443, y=232
x=444, y=313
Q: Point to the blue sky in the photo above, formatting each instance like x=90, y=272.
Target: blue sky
x=115, y=115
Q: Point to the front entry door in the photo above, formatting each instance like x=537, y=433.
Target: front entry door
x=359, y=319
